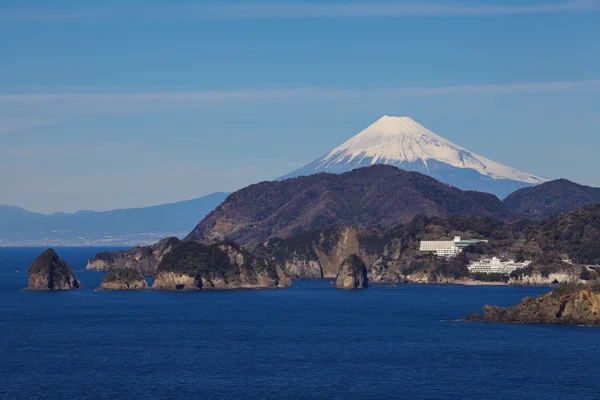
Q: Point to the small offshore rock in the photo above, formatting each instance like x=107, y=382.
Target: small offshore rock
x=352, y=274
x=49, y=272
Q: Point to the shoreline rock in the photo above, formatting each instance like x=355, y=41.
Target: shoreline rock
x=123, y=279
x=573, y=304
x=49, y=272
x=352, y=274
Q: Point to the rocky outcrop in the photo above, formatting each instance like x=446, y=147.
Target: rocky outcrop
x=318, y=253
x=142, y=258
x=123, y=279
x=352, y=274
x=574, y=304
x=49, y=272
x=194, y=266
x=560, y=277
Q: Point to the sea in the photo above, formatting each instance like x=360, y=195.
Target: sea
x=311, y=341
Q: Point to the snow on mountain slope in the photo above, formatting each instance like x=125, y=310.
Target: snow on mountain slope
x=403, y=142
x=393, y=140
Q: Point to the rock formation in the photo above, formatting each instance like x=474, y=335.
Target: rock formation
x=49, y=272
x=225, y=265
x=123, y=279
x=352, y=274
x=142, y=258
x=573, y=304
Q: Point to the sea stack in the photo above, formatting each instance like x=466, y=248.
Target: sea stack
x=123, y=279
x=573, y=304
x=352, y=274
x=49, y=272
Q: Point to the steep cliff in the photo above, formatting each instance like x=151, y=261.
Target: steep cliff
x=141, y=258
x=352, y=274
x=576, y=304
x=194, y=266
x=123, y=279
x=49, y=272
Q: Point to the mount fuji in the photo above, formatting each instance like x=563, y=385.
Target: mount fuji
x=406, y=144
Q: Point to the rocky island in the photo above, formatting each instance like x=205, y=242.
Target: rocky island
x=123, y=279
x=142, y=258
x=572, y=304
x=352, y=274
x=49, y=272
x=225, y=265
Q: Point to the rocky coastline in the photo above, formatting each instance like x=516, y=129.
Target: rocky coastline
x=571, y=304
x=196, y=266
x=142, y=258
x=123, y=279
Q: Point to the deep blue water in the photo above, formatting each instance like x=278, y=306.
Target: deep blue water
x=310, y=341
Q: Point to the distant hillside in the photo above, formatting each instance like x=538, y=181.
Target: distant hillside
x=125, y=226
x=558, y=196
x=376, y=195
x=391, y=255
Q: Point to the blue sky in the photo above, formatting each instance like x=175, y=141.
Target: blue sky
x=106, y=105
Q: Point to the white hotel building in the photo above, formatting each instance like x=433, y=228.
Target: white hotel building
x=448, y=248
x=495, y=266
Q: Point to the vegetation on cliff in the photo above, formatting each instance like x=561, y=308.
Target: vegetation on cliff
x=123, y=279
x=142, y=258
x=218, y=265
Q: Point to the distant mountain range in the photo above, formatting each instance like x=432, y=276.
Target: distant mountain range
x=404, y=143
x=118, y=227
x=377, y=195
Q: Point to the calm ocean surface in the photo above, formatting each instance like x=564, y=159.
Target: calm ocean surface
x=311, y=341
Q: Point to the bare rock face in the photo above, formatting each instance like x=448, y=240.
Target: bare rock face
x=577, y=304
x=352, y=274
x=224, y=265
x=49, y=272
x=123, y=279
x=142, y=258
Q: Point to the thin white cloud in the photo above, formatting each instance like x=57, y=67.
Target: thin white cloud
x=244, y=95
x=240, y=10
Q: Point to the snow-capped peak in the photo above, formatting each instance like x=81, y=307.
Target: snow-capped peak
x=397, y=140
